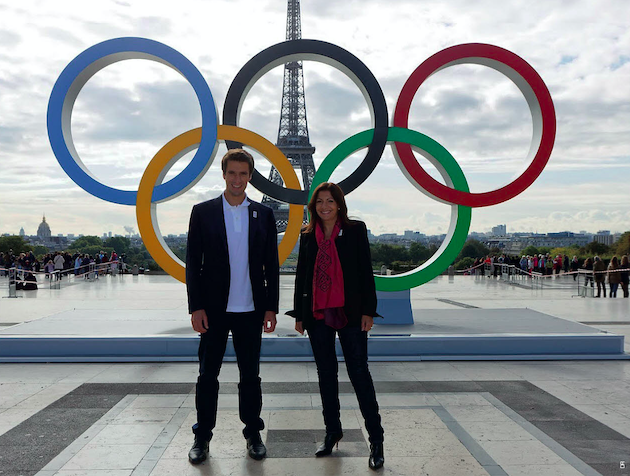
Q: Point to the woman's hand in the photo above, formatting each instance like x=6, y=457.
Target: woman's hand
x=298, y=327
x=366, y=323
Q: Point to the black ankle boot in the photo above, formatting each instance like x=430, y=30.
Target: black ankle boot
x=377, y=459
x=330, y=441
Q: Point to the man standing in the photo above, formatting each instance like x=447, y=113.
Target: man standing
x=232, y=279
x=59, y=263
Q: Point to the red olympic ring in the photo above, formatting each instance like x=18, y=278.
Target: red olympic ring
x=538, y=99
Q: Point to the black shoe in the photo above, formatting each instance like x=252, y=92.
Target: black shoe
x=255, y=447
x=377, y=459
x=330, y=441
x=199, y=452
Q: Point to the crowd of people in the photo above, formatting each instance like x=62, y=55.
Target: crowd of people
x=616, y=273
x=55, y=265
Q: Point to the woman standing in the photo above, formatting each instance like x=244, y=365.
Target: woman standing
x=599, y=269
x=614, y=276
x=335, y=294
x=575, y=264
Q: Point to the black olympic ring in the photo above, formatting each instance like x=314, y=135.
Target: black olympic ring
x=335, y=56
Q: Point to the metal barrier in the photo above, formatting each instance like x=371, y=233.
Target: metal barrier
x=583, y=278
x=55, y=277
x=537, y=280
x=12, y=284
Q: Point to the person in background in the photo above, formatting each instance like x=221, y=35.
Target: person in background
x=614, y=276
x=59, y=262
x=575, y=264
x=600, y=276
x=624, y=274
x=77, y=264
x=588, y=266
x=50, y=269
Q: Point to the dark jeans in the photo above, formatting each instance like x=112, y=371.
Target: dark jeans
x=613, y=289
x=354, y=345
x=246, y=335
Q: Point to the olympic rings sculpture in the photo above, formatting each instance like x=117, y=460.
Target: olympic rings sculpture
x=205, y=139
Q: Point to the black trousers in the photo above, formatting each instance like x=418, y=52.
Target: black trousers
x=246, y=336
x=354, y=345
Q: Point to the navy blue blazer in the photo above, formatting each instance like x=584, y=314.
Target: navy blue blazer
x=208, y=264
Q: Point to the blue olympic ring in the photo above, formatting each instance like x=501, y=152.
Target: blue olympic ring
x=86, y=65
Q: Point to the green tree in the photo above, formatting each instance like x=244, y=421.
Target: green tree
x=419, y=252
x=387, y=254
x=530, y=250
x=180, y=252
x=473, y=249
x=39, y=251
x=623, y=244
x=15, y=243
x=595, y=248
x=85, y=241
x=464, y=263
x=119, y=243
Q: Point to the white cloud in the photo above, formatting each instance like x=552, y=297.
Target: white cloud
x=131, y=109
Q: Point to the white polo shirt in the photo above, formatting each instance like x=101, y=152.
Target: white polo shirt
x=240, y=297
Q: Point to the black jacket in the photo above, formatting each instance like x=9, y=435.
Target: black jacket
x=207, y=259
x=358, y=281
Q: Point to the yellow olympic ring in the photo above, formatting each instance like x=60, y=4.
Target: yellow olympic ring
x=164, y=160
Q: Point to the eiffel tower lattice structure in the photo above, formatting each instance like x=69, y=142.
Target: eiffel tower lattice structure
x=293, y=139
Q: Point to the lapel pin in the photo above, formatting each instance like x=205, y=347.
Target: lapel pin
x=255, y=214
x=340, y=232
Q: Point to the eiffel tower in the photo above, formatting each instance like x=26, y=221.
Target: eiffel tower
x=293, y=139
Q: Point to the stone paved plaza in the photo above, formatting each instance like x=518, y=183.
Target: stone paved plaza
x=440, y=418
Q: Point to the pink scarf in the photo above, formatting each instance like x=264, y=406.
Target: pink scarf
x=328, y=291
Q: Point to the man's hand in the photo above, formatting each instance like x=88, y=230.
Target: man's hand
x=299, y=327
x=366, y=323
x=199, y=321
x=269, y=324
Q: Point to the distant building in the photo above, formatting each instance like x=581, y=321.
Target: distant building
x=22, y=233
x=43, y=230
x=515, y=243
x=499, y=230
x=413, y=235
x=604, y=237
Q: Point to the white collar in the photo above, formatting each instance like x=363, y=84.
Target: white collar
x=227, y=206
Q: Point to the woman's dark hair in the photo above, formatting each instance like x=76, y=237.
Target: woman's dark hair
x=337, y=195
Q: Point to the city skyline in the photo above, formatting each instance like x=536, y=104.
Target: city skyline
x=131, y=109
x=134, y=233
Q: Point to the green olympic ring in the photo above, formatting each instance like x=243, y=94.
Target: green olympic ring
x=453, y=176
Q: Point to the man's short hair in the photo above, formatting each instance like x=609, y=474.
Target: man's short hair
x=238, y=155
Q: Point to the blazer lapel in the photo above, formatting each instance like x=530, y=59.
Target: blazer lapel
x=254, y=220
x=221, y=224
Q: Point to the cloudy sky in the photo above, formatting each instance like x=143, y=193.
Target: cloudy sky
x=129, y=110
